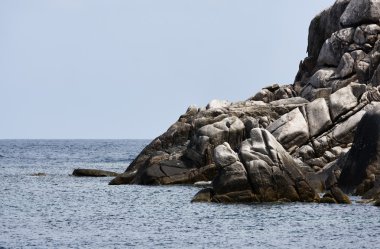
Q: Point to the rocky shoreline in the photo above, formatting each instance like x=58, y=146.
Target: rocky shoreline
x=290, y=142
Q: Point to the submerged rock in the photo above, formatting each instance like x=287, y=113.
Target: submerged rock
x=93, y=173
x=39, y=174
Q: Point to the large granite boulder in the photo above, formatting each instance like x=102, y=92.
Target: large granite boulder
x=266, y=173
x=291, y=129
x=318, y=116
x=361, y=12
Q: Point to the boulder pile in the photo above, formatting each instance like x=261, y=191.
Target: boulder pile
x=286, y=143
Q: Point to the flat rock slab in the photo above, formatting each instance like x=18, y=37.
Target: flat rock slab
x=290, y=129
x=93, y=173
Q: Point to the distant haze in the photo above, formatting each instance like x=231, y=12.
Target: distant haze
x=129, y=69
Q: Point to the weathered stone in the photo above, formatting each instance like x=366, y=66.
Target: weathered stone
x=328, y=56
x=318, y=116
x=204, y=195
x=338, y=151
x=272, y=88
x=345, y=35
x=328, y=200
x=359, y=36
x=290, y=101
x=329, y=156
x=362, y=69
x=306, y=152
x=346, y=65
x=231, y=177
x=342, y=101
x=224, y=155
x=203, y=184
x=342, y=82
x=361, y=12
x=229, y=130
x=272, y=172
x=343, y=132
x=372, y=29
x=339, y=196
x=358, y=89
x=216, y=103
x=250, y=123
x=358, y=55
x=264, y=95
x=320, y=162
x=322, y=78
x=124, y=178
x=284, y=92
x=310, y=93
x=291, y=129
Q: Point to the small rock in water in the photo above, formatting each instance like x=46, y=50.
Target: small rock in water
x=39, y=174
x=203, y=184
x=93, y=173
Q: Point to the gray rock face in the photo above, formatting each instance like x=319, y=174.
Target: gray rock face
x=327, y=56
x=346, y=65
x=230, y=129
x=224, y=155
x=266, y=174
x=216, y=103
x=318, y=116
x=360, y=12
x=231, y=180
x=321, y=28
x=274, y=92
x=342, y=101
x=291, y=129
x=322, y=78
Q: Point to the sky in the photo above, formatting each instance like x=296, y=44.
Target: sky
x=117, y=69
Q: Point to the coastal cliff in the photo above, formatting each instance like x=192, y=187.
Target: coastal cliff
x=286, y=143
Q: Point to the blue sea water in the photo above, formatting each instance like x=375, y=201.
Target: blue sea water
x=62, y=211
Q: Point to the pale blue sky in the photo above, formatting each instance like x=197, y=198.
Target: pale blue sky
x=130, y=68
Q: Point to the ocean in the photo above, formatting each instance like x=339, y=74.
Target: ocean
x=57, y=210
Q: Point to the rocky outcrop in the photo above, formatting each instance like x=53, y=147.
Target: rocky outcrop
x=265, y=172
x=343, y=48
x=286, y=140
